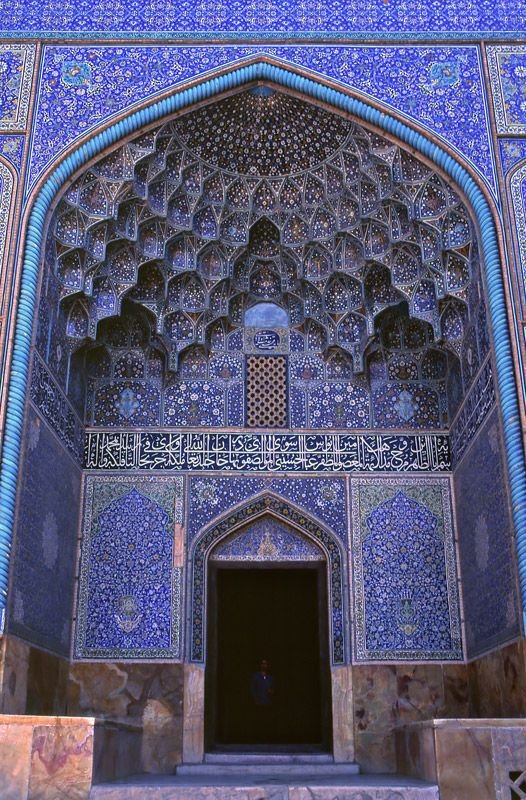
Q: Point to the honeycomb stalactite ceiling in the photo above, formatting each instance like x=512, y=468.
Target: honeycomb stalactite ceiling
x=258, y=198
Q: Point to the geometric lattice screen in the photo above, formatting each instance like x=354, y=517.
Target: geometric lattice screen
x=266, y=392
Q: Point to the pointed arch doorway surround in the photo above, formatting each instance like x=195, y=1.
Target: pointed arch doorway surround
x=267, y=581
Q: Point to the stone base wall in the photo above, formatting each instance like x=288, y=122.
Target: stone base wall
x=43, y=758
x=386, y=696
x=379, y=699
x=32, y=681
x=147, y=695
x=497, y=683
x=470, y=759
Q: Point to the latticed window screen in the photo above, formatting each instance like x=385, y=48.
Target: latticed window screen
x=266, y=392
x=518, y=785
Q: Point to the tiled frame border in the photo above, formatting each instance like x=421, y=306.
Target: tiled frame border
x=361, y=653
x=282, y=510
x=243, y=73
x=122, y=484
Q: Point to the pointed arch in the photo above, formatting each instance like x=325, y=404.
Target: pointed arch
x=340, y=101
x=266, y=504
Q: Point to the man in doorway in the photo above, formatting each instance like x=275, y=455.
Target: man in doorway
x=262, y=695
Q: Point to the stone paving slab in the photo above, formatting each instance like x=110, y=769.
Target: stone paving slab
x=361, y=787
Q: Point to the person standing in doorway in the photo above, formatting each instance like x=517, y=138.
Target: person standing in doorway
x=262, y=695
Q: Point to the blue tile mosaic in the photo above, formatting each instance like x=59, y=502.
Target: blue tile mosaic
x=325, y=498
x=507, y=69
x=275, y=511
x=6, y=199
x=518, y=203
x=127, y=404
x=45, y=549
x=267, y=540
x=403, y=405
x=428, y=84
x=512, y=152
x=11, y=148
x=337, y=405
x=475, y=408
x=17, y=62
x=272, y=18
x=195, y=404
x=267, y=452
x=120, y=257
x=129, y=596
x=50, y=401
x=406, y=603
x=486, y=544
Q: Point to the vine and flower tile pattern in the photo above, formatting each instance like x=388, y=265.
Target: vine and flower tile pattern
x=131, y=600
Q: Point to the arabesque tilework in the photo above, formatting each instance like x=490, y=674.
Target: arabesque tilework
x=45, y=550
x=348, y=237
x=266, y=540
x=16, y=72
x=507, y=69
x=84, y=86
x=6, y=194
x=129, y=596
x=406, y=603
x=518, y=204
x=247, y=19
x=512, y=152
x=211, y=497
x=274, y=511
x=11, y=148
x=486, y=545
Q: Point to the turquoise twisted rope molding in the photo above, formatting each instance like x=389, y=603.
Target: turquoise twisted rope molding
x=184, y=99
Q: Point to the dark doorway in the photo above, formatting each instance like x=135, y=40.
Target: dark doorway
x=277, y=613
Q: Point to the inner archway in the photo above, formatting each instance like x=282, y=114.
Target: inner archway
x=343, y=296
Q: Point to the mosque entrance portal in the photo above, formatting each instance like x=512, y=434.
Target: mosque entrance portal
x=275, y=613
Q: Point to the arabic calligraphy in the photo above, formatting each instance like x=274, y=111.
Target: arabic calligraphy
x=261, y=452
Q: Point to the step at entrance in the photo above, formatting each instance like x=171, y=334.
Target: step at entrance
x=260, y=770
x=282, y=785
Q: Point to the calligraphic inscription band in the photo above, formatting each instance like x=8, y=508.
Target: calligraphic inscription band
x=277, y=452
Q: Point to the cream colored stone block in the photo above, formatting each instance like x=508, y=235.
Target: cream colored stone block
x=61, y=761
x=193, y=714
x=342, y=714
x=15, y=759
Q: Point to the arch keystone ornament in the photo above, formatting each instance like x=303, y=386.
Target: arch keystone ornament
x=247, y=74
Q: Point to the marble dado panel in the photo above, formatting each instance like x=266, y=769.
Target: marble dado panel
x=267, y=452
x=441, y=87
x=406, y=603
x=387, y=696
x=148, y=696
x=129, y=595
x=497, y=682
x=473, y=759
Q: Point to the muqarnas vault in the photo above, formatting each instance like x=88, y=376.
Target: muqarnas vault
x=265, y=417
